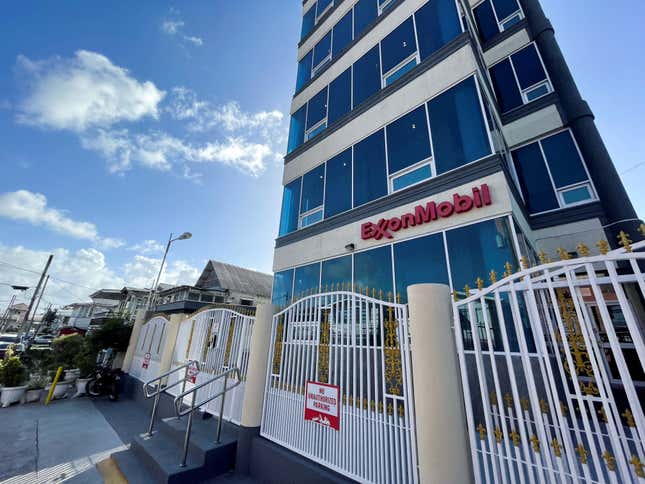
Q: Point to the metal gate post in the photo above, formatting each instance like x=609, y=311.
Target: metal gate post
x=442, y=438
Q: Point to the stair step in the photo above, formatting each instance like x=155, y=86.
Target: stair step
x=162, y=455
x=202, y=436
x=130, y=466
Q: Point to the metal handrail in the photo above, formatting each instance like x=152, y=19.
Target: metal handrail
x=190, y=410
x=159, y=388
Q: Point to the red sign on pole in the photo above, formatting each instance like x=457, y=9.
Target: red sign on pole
x=322, y=404
x=193, y=371
x=146, y=360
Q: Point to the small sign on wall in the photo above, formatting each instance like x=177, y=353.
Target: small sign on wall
x=322, y=405
x=193, y=371
x=146, y=361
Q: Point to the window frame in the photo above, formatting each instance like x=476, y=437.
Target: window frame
x=321, y=125
x=384, y=5
x=319, y=15
x=416, y=56
x=501, y=23
x=315, y=69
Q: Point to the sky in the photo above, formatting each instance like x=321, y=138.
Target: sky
x=121, y=122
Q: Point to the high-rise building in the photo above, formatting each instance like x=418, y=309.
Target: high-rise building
x=436, y=141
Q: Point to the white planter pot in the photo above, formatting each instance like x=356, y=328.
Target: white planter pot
x=71, y=375
x=34, y=395
x=12, y=395
x=61, y=390
x=81, y=387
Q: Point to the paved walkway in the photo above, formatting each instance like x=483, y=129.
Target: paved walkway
x=59, y=442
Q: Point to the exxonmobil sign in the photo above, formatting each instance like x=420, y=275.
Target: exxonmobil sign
x=480, y=197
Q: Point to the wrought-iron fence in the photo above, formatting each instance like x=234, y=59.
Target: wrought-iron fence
x=359, y=345
x=147, y=355
x=552, y=364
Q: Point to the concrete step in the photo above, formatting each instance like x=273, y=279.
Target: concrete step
x=130, y=465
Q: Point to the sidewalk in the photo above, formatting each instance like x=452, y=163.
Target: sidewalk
x=59, y=442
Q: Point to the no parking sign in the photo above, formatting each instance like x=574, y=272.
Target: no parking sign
x=146, y=360
x=193, y=371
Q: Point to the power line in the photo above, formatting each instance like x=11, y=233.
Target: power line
x=53, y=277
x=637, y=165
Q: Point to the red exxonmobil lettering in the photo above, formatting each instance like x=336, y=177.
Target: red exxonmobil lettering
x=425, y=214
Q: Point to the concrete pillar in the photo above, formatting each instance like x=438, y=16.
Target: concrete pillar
x=134, y=337
x=442, y=439
x=254, y=385
x=172, y=330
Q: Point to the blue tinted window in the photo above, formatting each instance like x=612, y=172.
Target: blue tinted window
x=322, y=5
x=342, y=34
x=408, y=141
x=297, y=129
x=399, y=45
x=306, y=279
x=485, y=20
x=335, y=272
x=317, y=110
x=308, y=22
x=373, y=270
x=304, y=71
x=338, y=186
x=340, y=96
x=282, y=288
x=576, y=195
x=415, y=176
x=420, y=261
x=505, y=8
x=313, y=184
x=312, y=218
x=477, y=249
x=365, y=12
x=370, y=177
x=322, y=49
x=437, y=24
x=290, y=207
x=564, y=161
x=459, y=133
x=505, y=86
x=367, y=76
x=528, y=67
x=534, y=179
x=400, y=72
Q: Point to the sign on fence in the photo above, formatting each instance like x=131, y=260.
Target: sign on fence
x=146, y=360
x=321, y=404
x=193, y=371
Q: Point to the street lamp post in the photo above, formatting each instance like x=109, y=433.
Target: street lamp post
x=153, y=290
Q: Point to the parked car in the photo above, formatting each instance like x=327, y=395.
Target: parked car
x=10, y=339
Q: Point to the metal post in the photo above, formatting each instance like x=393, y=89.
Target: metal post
x=154, y=409
x=188, y=429
x=221, y=410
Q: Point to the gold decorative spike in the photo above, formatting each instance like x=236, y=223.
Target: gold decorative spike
x=401, y=410
x=350, y=401
x=629, y=416
x=493, y=398
x=557, y=448
x=638, y=466
x=480, y=283
x=610, y=460
x=323, y=347
x=455, y=296
x=535, y=443
x=380, y=294
x=603, y=246
x=374, y=293
x=367, y=291
x=625, y=241
x=380, y=407
x=229, y=343
x=498, y=435
x=467, y=290
x=508, y=398
x=344, y=399
x=563, y=254
x=544, y=407
x=482, y=431
x=372, y=405
x=515, y=438
x=493, y=277
x=327, y=287
x=398, y=298
x=508, y=269
x=603, y=415
x=277, y=344
x=641, y=229
x=524, y=402
x=544, y=258
x=590, y=389
x=390, y=409
x=583, y=250
x=582, y=453
x=524, y=262
x=563, y=409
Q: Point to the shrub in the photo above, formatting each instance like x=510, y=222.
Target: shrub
x=114, y=333
x=37, y=382
x=85, y=360
x=13, y=373
x=65, y=351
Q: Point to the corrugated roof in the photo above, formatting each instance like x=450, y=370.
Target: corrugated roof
x=218, y=275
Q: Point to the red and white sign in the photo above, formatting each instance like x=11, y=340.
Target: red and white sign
x=193, y=371
x=146, y=360
x=322, y=405
x=432, y=211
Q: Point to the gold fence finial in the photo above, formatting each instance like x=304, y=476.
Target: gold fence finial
x=515, y=438
x=524, y=402
x=610, y=460
x=389, y=296
x=482, y=431
x=557, y=448
x=493, y=398
x=544, y=258
x=467, y=290
x=629, y=417
x=524, y=262
x=603, y=246
x=625, y=241
x=544, y=407
x=638, y=466
x=398, y=298
x=583, y=250
x=535, y=443
x=480, y=283
x=563, y=254
x=455, y=296
x=582, y=453
x=498, y=435
x=508, y=398
x=508, y=269
x=641, y=229
x=380, y=294
x=493, y=276
x=374, y=293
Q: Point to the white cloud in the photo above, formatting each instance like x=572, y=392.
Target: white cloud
x=142, y=271
x=173, y=25
x=147, y=247
x=30, y=207
x=82, y=92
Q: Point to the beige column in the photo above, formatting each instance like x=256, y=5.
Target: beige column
x=134, y=337
x=172, y=330
x=442, y=440
x=257, y=369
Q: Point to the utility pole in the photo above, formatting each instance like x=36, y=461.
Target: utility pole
x=5, y=316
x=33, y=298
x=31, y=321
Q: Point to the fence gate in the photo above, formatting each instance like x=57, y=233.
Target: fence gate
x=147, y=355
x=552, y=367
x=361, y=345
x=218, y=339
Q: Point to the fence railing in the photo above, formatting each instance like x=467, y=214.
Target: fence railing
x=552, y=365
x=359, y=347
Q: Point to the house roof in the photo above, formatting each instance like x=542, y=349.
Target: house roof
x=106, y=294
x=218, y=275
x=20, y=307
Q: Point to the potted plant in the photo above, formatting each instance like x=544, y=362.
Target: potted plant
x=13, y=375
x=86, y=363
x=35, y=388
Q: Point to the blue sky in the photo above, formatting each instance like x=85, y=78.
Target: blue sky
x=123, y=121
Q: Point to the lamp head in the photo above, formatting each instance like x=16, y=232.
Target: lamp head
x=185, y=236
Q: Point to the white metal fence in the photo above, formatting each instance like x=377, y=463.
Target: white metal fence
x=152, y=340
x=219, y=339
x=552, y=364
x=361, y=345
